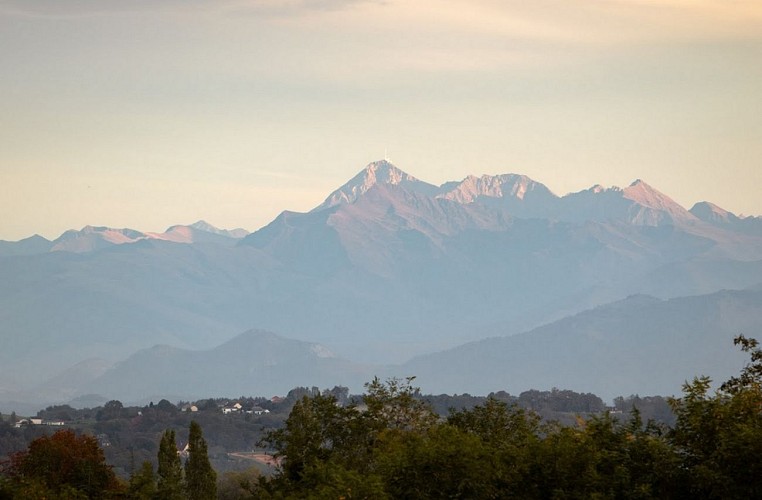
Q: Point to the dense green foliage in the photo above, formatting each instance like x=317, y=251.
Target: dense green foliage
x=390, y=443
x=130, y=435
x=719, y=436
x=143, y=483
x=195, y=480
x=393, y=445
x=200, y=478
x=170, y=472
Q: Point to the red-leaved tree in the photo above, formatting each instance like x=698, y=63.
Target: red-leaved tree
x=63, y=462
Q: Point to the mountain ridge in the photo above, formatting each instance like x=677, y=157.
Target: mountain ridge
x=470, y=189
x=253, y=362
x=395, y=272
x=640, y=344
x=600, y=340
x=92, y=238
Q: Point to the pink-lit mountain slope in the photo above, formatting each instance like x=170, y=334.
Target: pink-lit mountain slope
x=376, y=173
x=445, y=260
x=637, y=204
x=521, y=196
x=199, y=232
x=93, y=238
x=712, y=214
x=518, y=194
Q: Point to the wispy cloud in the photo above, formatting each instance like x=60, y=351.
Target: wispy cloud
x=346, y=40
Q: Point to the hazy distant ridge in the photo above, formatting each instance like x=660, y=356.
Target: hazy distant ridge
x=388, y=267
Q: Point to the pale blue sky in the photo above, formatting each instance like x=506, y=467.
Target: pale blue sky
x=146, y=113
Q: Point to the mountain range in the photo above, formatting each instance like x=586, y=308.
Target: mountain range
x=388, y=270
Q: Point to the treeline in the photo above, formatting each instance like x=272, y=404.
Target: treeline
x=70, y=466
x=562, y=406
x=130, y=435
x=391, y=443
x=394, y=446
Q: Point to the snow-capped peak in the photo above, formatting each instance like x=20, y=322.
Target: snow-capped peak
x=377, y=172
x=92, y=237
x=385, y=173
x=109, y=234
x=645, y=195
x=321, y=351
x=198, y=231
x=638, y=204
x=202, y=225
x=494, y=186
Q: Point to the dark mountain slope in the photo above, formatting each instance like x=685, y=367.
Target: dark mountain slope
x=637, y=345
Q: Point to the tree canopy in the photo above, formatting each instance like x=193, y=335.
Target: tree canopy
x=62, y=465
x=393, y=445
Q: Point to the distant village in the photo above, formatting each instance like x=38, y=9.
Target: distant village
x=37, y=421
x=227, y=408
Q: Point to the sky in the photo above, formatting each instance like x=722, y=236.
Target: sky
x=149, y=113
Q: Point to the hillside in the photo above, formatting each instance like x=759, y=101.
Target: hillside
x=637, y=345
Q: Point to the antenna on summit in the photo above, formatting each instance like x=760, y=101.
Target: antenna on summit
x=386, y=157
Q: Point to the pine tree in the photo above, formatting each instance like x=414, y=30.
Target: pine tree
x=170, y=484
x=143, y=483
x=200, y=478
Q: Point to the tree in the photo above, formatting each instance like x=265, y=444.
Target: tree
x=751, y=376
x=332, y=450
x=170, y=472
x=64, y=464
x=509, y=433
x=339, y=392
x=440, y=462
x=143, y=483
x=719, y=436
x=316, y=430
x=111, y=410
x=166, y=406
x=235, y=485
x=396, y=404
x=200, y=478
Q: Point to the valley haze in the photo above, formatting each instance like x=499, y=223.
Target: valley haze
x=484, y=284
